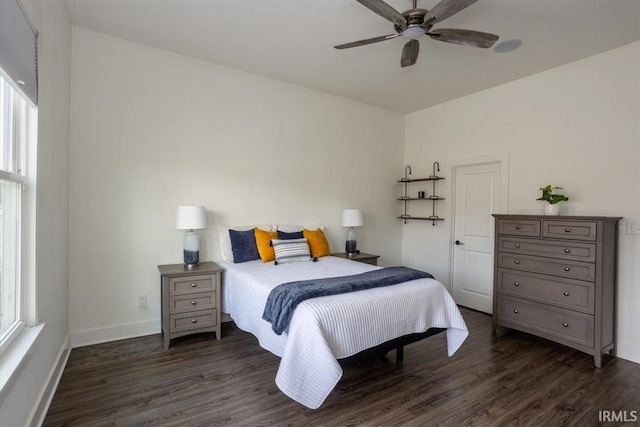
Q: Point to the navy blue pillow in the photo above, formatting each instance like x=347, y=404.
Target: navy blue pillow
x=282, y=235
x=243, y=245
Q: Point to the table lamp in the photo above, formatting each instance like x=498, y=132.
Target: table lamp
x=352, y=218
x=191, y=218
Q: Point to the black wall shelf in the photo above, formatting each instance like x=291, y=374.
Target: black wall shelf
x=432, y=198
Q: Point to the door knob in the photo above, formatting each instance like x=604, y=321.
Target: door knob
x=458, y=242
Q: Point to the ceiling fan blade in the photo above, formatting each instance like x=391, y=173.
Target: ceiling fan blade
x=386, y=11
x=445, y=9
x=464, y=37
x=410, y=53
x=366, y=41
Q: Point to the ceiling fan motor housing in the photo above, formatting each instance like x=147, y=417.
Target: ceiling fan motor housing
x=415, y=24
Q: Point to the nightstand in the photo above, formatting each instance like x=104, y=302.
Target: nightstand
x=360, y=257
x=190, y=300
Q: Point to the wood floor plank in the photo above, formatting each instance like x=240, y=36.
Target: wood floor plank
x=512, y=379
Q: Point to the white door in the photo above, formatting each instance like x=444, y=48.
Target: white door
x=477, y=194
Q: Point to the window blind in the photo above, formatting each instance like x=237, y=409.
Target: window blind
x=19, y=48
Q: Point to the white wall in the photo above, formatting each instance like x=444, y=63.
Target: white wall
x=52, y=243
x=576, y=126
x=152, y=130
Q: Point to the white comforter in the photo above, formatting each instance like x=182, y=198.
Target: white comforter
x=333, y=327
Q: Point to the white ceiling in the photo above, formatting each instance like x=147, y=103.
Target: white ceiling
x=293, y=41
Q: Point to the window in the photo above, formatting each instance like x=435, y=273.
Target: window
x=14, y=128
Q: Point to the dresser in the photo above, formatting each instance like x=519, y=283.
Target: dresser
x=190, y=300
x=555, y=277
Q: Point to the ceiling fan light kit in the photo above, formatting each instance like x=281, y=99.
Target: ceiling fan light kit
x=415, y=23
x=413, y=33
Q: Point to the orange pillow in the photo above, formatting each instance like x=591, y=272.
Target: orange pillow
x=318, y=244
x=263, y=242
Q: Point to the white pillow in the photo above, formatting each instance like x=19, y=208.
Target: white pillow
x=293, y=228
x=225, y=240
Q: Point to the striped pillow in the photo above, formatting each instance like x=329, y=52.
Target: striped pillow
x=291, y=250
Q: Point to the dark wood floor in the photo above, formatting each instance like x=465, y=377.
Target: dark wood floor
x=512, y=379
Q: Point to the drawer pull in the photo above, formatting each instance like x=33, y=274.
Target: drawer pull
x=517, y=261
x=515, y=311
x=194, y=302
x=565, y=293
x=194, y=285
x=567, y=269
x=194, y=321
x=518, y=227
x=566, y=251
x=565, y=324
x=516, y=284
x=517, y=245
x=567, y=230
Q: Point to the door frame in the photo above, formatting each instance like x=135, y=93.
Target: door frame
x=503, y=160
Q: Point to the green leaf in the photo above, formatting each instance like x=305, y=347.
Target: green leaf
x=548, y=196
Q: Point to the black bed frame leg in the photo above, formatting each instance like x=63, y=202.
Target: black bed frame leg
x=399, y=353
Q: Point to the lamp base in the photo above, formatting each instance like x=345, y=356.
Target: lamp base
x=191, y=250
x=351, y=243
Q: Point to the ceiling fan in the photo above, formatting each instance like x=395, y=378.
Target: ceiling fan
x=415, y=23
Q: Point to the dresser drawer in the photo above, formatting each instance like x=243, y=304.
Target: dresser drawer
x=519, y=227
x=554, y=267
x=575, y=230
x=556, y=322
x=564, y=250
x=564, y=293
x=192, y=302
x=191, y=284
x=194, y=320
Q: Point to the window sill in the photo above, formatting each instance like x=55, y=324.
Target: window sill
x=14, y=358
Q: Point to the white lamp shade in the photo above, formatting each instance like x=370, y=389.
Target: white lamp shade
x=352, y=218
x=191, y=218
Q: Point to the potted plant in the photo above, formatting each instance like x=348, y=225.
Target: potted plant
x=552, y=207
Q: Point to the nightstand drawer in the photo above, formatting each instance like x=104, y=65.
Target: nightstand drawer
x=565, y=293
x=564, y=324
x=195, y=320
x=565, y=250
x=519, y=227
x=554, y=267
x=576, y=230
x=192, y=302
x=191, y=284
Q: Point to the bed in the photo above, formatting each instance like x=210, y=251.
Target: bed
x=329, y=328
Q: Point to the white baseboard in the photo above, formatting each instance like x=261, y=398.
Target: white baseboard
x=49, y=389
x=114, y=333
x=628, y=352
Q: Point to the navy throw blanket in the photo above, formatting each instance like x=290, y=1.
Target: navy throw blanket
x=284, y=299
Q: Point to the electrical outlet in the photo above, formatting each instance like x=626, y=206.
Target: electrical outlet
x=142, y=300
x=633, y=228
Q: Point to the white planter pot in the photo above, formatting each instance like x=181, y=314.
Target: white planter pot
x=549, y=209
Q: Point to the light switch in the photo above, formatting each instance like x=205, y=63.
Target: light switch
x=633, y=228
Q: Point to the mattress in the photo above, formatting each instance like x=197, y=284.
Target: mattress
x=329, y=328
